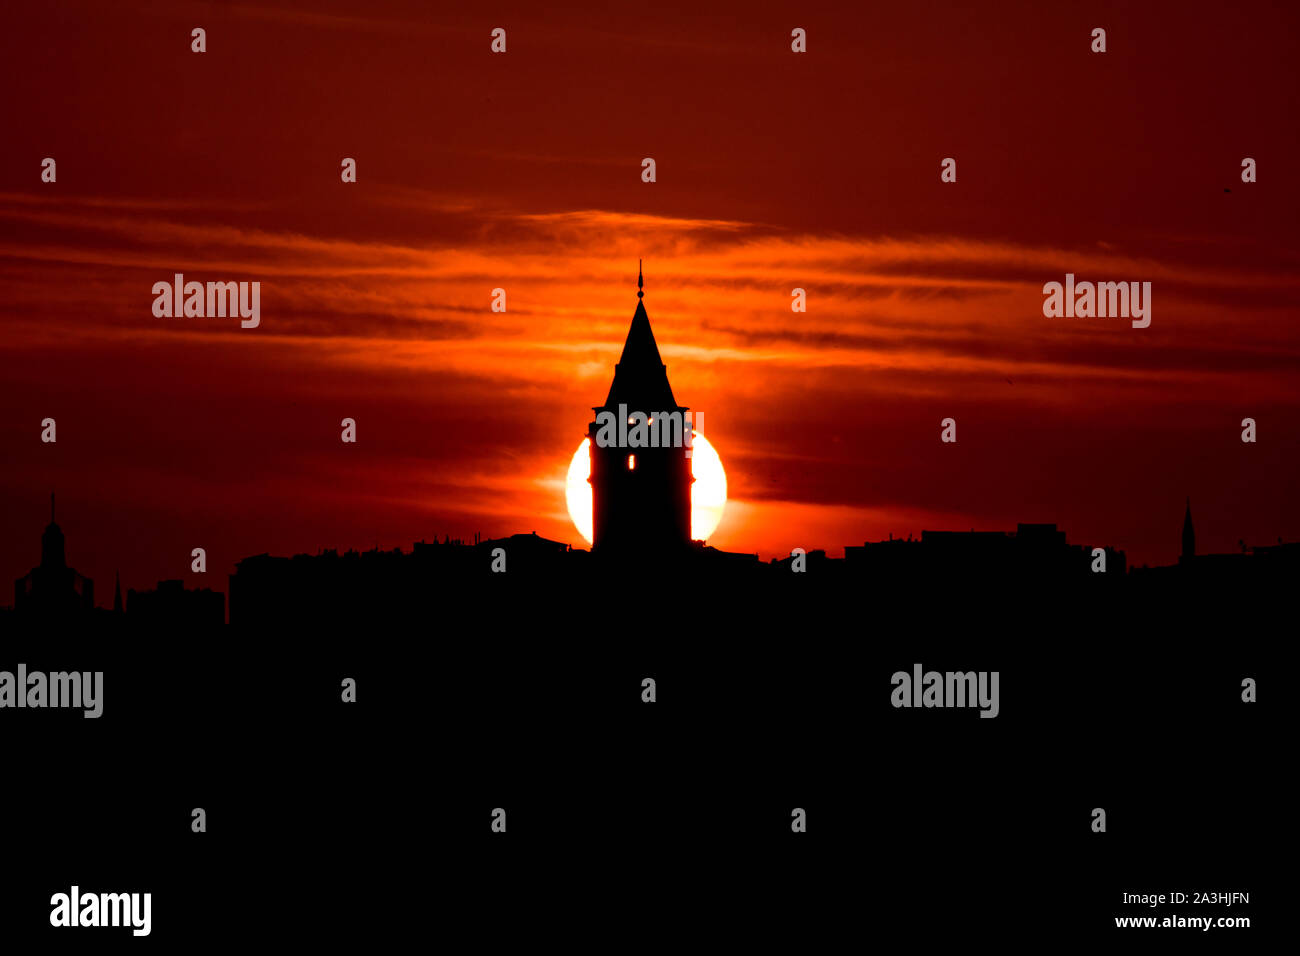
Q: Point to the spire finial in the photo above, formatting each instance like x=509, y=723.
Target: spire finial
x=51, y=507
x=640, y=280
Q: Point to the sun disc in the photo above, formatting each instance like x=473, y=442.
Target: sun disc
x=708, y=493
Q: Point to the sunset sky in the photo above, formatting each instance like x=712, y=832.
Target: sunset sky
x=775, y=170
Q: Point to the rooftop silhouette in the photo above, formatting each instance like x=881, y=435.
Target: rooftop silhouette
x=52, y=591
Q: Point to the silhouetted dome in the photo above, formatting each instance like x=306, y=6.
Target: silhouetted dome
x=52, y=552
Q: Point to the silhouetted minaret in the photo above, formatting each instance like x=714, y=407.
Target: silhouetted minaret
x=1189, y=536
x=117, y=593
x=640, y=496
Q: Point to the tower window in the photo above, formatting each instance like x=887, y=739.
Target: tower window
x=631, y=462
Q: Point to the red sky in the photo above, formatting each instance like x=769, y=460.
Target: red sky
x=522, y=170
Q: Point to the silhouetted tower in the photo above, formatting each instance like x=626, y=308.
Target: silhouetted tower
x=1189, y=535
x=52, y=587
x=117, y=593
x=641, y=496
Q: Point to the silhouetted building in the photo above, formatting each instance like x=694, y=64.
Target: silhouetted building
x=1283, y=555
x=53, y=588
x=894, y=556
x=529, y=553
x=1031, y=551
x=434, y=578
x=451, y=589
x=812, y=562
x=640, y=496
x=1266, y=564
x=173, y=604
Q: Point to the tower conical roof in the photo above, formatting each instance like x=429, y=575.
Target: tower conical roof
x=640, y=377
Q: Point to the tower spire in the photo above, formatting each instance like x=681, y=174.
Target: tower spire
x=640, y=504
x=51, y=507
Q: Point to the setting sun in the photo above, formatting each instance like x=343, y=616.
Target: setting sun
x=708, y=493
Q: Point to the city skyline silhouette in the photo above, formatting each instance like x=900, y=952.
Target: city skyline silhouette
x=641, y=515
